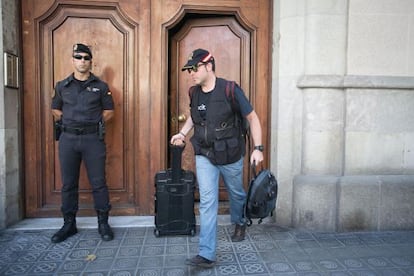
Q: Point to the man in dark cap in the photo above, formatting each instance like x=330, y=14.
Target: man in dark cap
x=216, y=113
x=82, y=103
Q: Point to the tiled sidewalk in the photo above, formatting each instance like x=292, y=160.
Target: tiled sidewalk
x=267, y=250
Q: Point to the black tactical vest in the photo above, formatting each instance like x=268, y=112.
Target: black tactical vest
x=218, y=136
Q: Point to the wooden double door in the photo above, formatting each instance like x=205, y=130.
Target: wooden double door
x=138, y=48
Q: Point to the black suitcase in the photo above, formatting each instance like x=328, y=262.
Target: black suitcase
x=174, y=199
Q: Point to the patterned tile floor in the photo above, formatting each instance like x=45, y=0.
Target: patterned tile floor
x=267, y=250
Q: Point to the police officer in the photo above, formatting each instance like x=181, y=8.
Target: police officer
x=81, y=105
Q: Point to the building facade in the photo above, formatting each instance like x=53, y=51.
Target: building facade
x=341, y=131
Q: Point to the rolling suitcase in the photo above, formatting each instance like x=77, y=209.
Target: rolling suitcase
x=174, y=198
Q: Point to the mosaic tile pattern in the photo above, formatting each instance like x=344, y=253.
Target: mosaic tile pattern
x=267, y=250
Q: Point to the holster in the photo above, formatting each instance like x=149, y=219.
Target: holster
x=101, y=130
x=57, y=129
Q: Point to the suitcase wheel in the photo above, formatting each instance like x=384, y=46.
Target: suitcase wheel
x=156, y=232
x=192, y=233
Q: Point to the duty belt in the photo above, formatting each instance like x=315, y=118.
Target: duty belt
x=80, y=130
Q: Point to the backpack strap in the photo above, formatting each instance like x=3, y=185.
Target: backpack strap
x=191, y=91
x=230, y=90
x=230, y=87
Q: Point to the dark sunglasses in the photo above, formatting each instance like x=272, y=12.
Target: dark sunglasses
x=194, y=68
x=82, y=57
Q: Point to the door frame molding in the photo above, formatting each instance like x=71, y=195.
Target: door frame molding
x=176, y=20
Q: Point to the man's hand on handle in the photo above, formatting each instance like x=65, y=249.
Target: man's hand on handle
x=177, y=139
x=256, y=157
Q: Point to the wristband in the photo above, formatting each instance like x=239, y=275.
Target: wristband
x=182, y=134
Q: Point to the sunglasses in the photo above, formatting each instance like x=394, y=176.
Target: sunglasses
x=194, y=68
x=79, y=57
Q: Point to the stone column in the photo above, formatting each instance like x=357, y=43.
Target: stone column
x=323, y=101
x=323, y=115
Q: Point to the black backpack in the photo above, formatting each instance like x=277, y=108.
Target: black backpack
x=261, y=197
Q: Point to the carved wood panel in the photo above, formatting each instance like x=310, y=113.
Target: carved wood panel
x=112, y=38
x=130, y=40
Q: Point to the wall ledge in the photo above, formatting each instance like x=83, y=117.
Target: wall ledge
x=355, y=81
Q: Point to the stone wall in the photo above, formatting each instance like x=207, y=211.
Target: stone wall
x=343, y=132
x=11, y=192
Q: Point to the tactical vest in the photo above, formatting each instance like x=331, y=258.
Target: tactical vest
x=218, y=136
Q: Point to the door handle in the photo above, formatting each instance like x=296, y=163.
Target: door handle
x=182, y=118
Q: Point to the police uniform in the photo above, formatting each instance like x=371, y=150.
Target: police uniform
x=82, y=103
x=82, y=139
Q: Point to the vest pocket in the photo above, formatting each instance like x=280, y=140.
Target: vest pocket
x=220, y=154
x=226, y=151
x=227, y=129
x=233, y=150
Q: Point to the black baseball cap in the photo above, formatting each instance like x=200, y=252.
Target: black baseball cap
x=82, y=48
x=199, y=55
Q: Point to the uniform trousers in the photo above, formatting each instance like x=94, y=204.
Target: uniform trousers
x=73, y=149
x=208, y=182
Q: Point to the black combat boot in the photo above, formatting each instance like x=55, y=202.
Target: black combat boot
x=68, y=229
x=239, y=233
x=103, y=227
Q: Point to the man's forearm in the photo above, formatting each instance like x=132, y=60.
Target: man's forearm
x=57, y=114
x=107, y=115
x=255, y=128
x=188, y=125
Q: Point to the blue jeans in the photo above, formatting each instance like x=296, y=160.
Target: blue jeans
x=208, y=183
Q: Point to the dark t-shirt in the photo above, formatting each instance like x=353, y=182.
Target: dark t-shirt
x=241, y=99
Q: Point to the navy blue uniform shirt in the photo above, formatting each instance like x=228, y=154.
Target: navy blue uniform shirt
x=82, y=102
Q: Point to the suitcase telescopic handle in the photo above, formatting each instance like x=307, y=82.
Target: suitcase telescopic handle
x=176, y=152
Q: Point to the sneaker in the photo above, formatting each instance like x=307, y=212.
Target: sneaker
x=199, y=261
